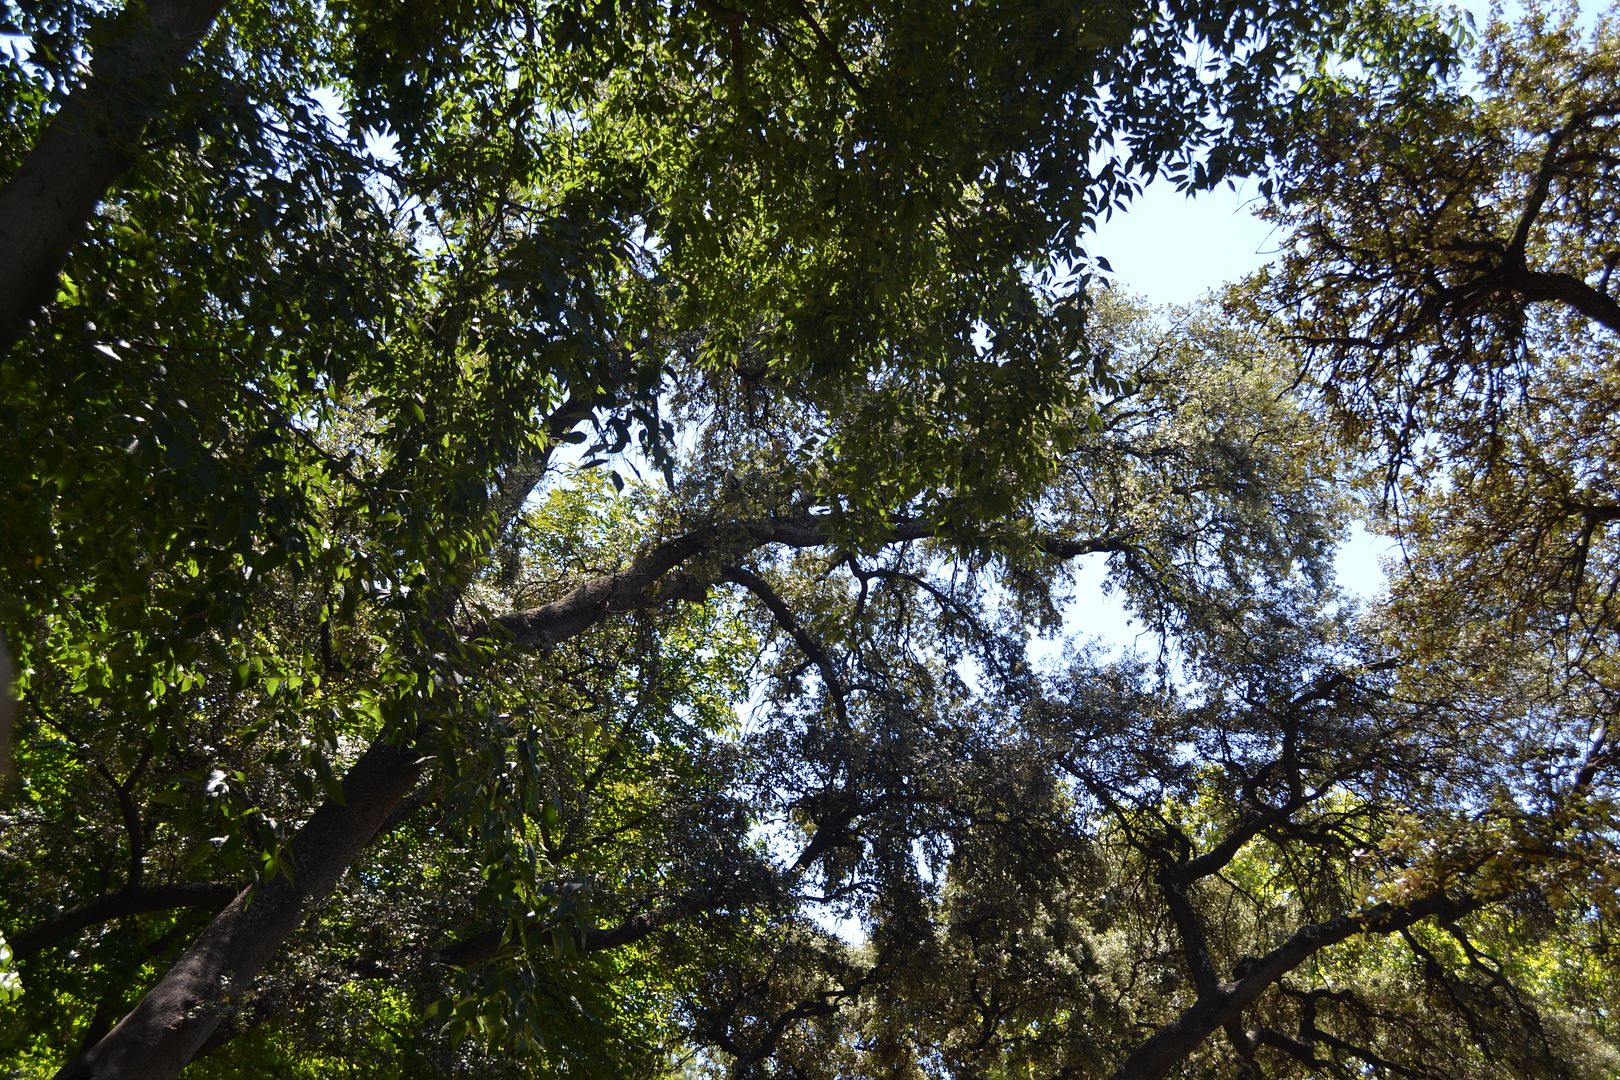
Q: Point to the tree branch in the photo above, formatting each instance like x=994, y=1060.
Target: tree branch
x=1167, y=1047
x=631, y=589
x=827, y=48
x=177, y=1016
x=1541, y=186
x=89, y=143
x=486, y=946
x=135, y=901
x=181, y=1013
x=1566, y=289
x=807, y=644
x=518, y=481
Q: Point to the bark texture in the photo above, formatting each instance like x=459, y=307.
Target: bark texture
x=85, y=148
x=176, y=1017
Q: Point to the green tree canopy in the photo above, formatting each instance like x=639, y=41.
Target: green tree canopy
x=526, y=524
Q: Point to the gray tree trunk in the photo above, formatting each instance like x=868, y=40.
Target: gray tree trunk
x=176, y=1017
x=90, y=142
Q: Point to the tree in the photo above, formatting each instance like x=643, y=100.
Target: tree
x=1439, y=280
x=1321, y=854
x=1470, y=347
x=1346, y=848
x=1448, y=281
x=367, y=720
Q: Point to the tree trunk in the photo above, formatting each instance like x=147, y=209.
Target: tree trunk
x=1168, y=1047
x=177, y=1016
x=84, y=148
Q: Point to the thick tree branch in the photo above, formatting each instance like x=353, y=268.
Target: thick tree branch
x=1194, y=945
x=8, y=712
x=486, y=946
x=589, y=603
x=1167, y=1047
x=825, y=1003
x=631, y=589
x=1326, y=687
x=104, y=909
x=1541, y=186
x=1288, y=1045
x=90, y=142
x=831, y=828
x=406, y=808
x=516, y=482
x=1566, y=289
x=1216, y=858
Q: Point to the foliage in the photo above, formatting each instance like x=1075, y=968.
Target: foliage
x=525, y=520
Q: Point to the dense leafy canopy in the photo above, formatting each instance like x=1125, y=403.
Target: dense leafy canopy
x=527, y=528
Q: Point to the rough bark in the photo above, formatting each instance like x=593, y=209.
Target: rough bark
x=176, y=1017
x=83, y=149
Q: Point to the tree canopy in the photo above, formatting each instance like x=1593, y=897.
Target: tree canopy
x=528, y=528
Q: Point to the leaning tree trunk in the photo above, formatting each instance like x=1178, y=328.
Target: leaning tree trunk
x=84, y=148
x=1172, y=1044
x=178, y=1015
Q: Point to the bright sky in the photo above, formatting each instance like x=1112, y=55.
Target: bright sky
x=1172, y=249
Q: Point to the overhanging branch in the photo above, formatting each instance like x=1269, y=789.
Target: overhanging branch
x=1167, y=1047
x=633, y=588
x=209, y=896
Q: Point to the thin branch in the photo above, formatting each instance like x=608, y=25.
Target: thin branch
x=825, y=44
x=788, y=621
